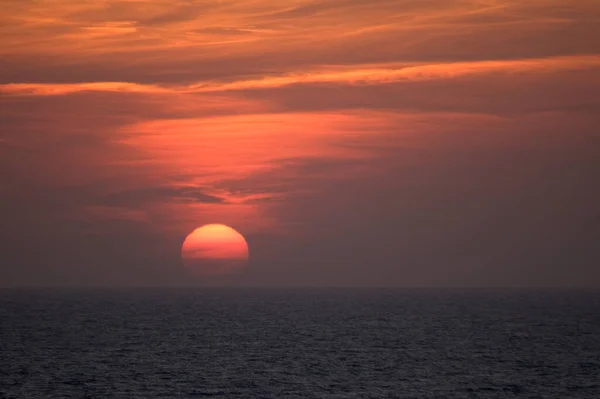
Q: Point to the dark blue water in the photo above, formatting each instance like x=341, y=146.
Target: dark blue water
x=340, y=343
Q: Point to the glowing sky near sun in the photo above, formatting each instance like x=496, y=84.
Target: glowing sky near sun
x=301, y=119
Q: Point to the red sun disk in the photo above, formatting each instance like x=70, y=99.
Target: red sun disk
x=214, y=249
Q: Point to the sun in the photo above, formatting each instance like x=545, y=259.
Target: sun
x=214, y=249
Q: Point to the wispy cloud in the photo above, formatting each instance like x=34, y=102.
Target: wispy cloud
x=357, y=75
x=50, y=89
x=174, y=113
x=182, y=42
x=392, y=73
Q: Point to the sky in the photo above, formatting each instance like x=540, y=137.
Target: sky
x=351, y=142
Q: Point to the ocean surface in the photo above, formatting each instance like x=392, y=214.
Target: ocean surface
x=300, y=343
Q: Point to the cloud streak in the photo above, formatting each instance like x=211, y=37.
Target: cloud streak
x=320, y=119
x=356, y=75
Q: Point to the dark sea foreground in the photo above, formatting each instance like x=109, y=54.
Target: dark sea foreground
x=301, y=343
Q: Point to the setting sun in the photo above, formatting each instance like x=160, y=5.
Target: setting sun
x=214, y=249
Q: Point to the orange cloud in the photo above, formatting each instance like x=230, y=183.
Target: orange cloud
x=50, y=89
x=374, y=74
x=260, y=36
x=148, y=61
x=220, y=154
x=216, y=148
x=392, y=73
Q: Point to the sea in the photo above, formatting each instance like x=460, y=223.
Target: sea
x=299, y=343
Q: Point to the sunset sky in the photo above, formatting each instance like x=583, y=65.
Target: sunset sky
x=351, y=142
